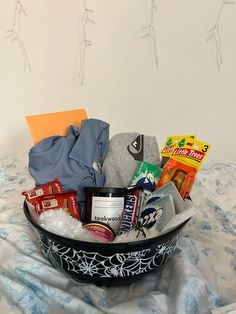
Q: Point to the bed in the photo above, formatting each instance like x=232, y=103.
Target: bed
x=199, y=278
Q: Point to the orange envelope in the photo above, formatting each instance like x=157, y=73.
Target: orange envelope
x=54, y=123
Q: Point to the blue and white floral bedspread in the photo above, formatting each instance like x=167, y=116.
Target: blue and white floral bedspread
x=200, y=277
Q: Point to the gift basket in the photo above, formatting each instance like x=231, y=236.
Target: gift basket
x=109, y=211
x=105, y=264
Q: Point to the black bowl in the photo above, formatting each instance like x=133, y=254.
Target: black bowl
x=102, y=263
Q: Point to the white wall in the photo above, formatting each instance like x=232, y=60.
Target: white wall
x=188, y=92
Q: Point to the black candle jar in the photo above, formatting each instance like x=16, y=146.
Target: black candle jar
x=105, y=204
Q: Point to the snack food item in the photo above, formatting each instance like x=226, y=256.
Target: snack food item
x=175, y=141
x=52, y=187
x=105, y=204
x=65, y=200
x=183, y=165
x=101, y=230
x=138, y=191
x=132, y=207
x=147, y=176
x=129, y=214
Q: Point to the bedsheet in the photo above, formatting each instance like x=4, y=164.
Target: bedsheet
x=200, y=277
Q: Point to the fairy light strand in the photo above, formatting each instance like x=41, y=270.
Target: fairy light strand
x=14, y=33
x=150, y=32
x=85, y=42
x=214, y=34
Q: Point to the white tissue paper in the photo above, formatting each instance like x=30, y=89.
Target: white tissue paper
x=62, y=223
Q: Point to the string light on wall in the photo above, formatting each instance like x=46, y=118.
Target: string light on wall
x=84, y=42
x=214, y=34
x=14, y=33
x=150, y=32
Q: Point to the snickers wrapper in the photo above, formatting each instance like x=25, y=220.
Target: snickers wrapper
x=132, y=208
x=129, y=214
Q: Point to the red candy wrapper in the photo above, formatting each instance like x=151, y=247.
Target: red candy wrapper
x=52, y=187
x=65, y=200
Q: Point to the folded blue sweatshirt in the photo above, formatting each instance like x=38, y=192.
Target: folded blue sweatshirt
x=74, y=158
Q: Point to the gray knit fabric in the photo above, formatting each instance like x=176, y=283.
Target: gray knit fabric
x=125, y=151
